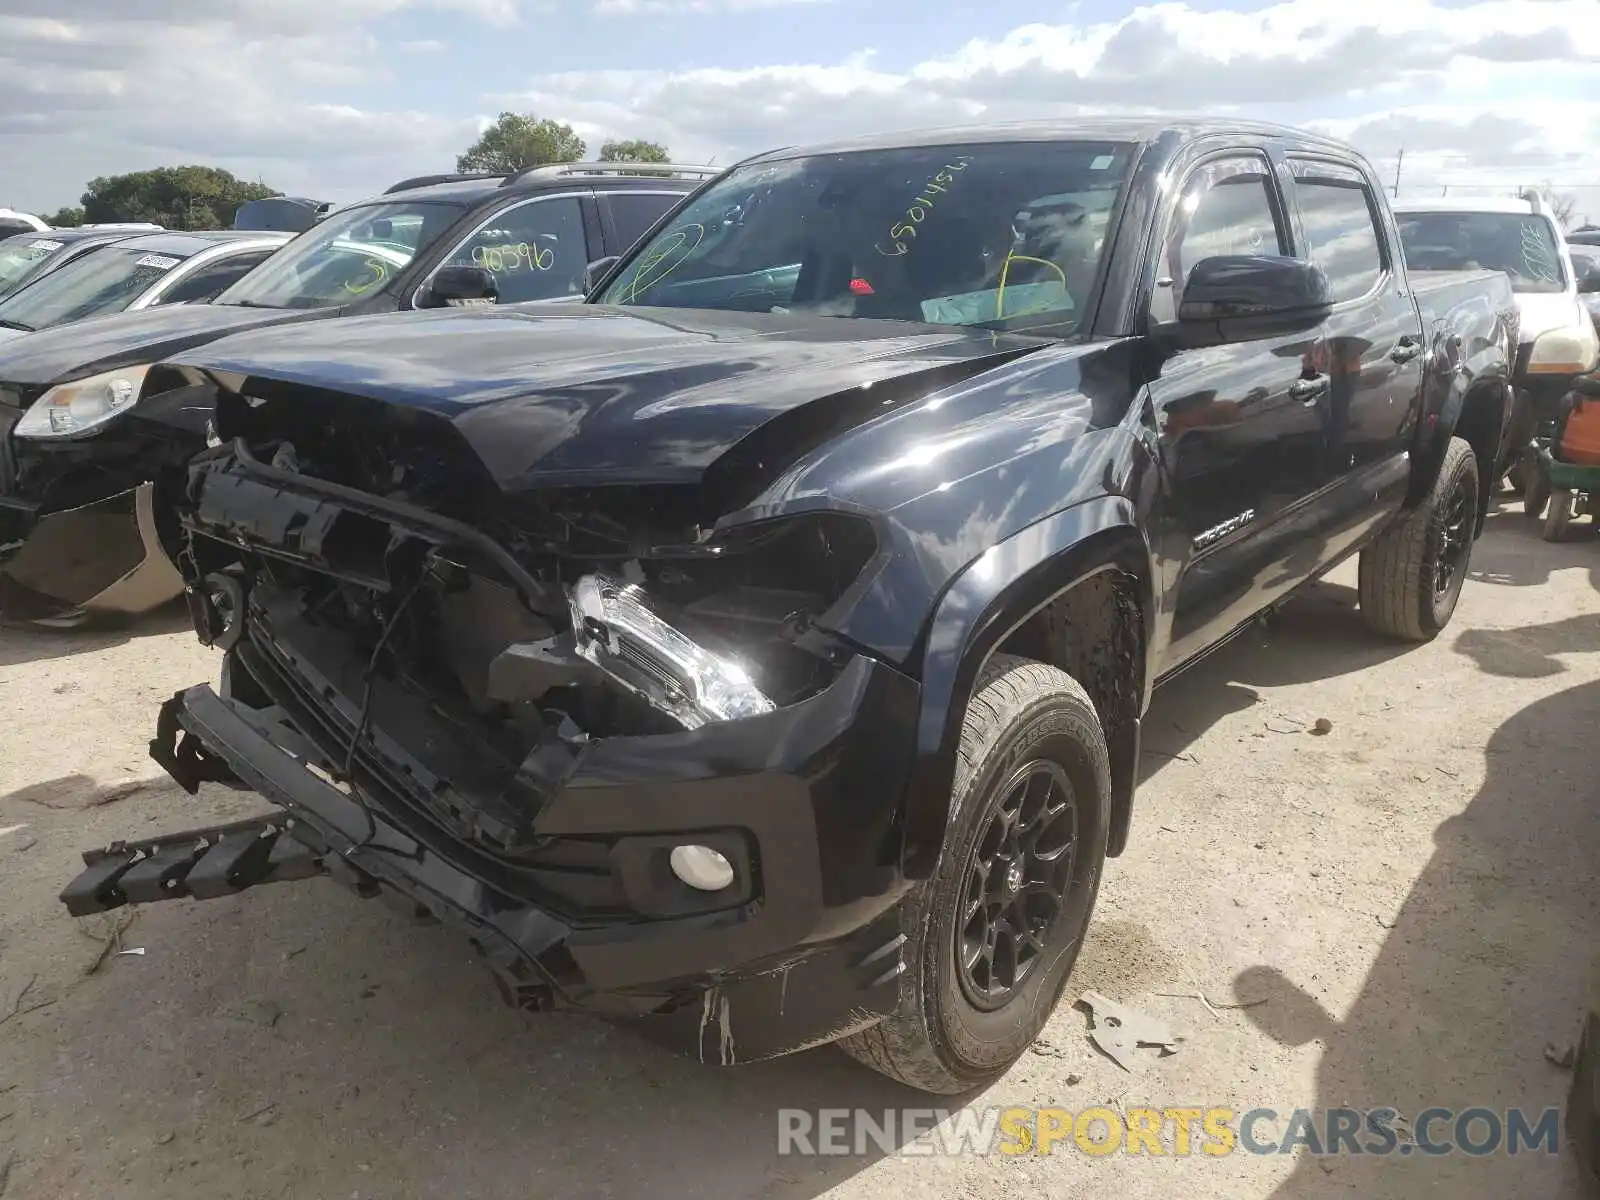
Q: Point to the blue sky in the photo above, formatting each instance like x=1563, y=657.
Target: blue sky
x=337, y=98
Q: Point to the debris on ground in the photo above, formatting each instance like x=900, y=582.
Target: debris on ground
x=1118, y=1030
x=110, y=938
x=16, y=1005
x=1213, y=1005
x=1562, y=1056
x=1323, y=727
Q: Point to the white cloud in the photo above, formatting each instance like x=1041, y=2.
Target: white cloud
x=1496, y=92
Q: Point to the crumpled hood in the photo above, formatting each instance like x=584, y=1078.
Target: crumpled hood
x=587, y=394
x=82, y=348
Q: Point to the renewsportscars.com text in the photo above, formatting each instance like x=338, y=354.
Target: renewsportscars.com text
x=1176, y=1131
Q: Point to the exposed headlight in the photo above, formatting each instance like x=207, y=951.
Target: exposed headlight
x=614, y=628
x=1570, y=350
x=74, y=409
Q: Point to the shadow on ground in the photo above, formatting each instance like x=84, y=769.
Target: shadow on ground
x=21, y=644
x=1520, y=557
x=1497, y=933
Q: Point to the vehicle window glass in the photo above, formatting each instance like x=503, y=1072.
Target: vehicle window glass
x=1522, y=245
x=346, y=257
x=1004, y=235
x=634, y=212
x=1226, y=208
x=102, y=281
x=535, y=251
x=1341, y=235
x=21, y=258
x=209, y=281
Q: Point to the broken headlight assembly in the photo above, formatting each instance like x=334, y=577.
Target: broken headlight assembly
x=82, y=407
x=615, y=628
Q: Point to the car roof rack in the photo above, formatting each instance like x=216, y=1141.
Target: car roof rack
x=417, y=181
x=556, y=170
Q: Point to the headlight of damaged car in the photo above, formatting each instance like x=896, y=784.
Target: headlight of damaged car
x=71, y=410
x=1570, y=350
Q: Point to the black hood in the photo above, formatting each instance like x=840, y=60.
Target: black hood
x=82, y=348
x=587, y=394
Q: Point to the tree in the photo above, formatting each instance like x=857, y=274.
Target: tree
x=1562, y=205
x=176, y=197
x=65, y=218
x=635, y=151
x=519, y=140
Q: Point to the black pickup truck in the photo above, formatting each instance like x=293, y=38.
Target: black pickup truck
x=762, y=644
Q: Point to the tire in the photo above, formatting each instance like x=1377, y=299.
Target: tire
x=1536, y=495
x=1026, y=722
x=1400, y=572
x=1559, y=515
x=1517, y=477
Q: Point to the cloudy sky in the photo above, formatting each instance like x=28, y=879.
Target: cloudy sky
x=338, y=98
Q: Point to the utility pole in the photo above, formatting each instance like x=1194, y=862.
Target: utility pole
x=1400, y=158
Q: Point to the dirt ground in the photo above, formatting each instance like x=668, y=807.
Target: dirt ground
x=1409, y=904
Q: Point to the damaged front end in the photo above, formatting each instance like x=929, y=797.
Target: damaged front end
x=606, y=737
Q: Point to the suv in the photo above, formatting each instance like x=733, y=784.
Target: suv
x=75, y=452
x=25, y=257
x=1557, y=341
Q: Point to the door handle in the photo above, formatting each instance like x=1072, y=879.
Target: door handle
x=1405, y=351
x=1309, y=391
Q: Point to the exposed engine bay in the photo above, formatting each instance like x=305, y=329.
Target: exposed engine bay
x=546, y=622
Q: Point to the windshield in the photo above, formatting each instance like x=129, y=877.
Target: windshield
x=21, y=258
x=995, y=234
x=349, y=255
x=1524, y=247
x=104, y=280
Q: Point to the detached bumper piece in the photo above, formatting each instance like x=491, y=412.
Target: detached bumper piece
x=200, y=863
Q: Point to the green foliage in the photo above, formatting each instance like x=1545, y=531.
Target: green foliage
x=635, y=151
x=64, y=218
x=176, y=197
x=519, y=140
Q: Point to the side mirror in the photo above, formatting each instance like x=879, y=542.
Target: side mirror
x=1240, y=297
x=1589, y=281
x=460, y=285
x=596, y=271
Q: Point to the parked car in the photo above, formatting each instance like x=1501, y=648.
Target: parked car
x=763, y=644
x=25, y=257
x=1586, y=266
x=135, y=273
x=1557, y=341
x=12, y=221
x=86, y=458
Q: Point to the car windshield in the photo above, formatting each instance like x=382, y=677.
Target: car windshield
x=995, y=234
x=23, y=257
x=104, y=280
x=347, y=256
x=1524, y=247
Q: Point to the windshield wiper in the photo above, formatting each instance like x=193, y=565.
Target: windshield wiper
x=250, y=304
x=4, y=324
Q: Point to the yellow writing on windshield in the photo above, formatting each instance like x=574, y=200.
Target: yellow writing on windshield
x=377, y=273
x=661, y=260
x=919, y=208
x=513, y=256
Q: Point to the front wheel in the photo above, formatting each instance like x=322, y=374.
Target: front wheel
x=993, y=934
x=1537, y=494
x=1411, y=576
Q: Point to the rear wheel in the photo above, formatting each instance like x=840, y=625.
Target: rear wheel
x=992, y=935
x=1537, y=494
x=1411, y=576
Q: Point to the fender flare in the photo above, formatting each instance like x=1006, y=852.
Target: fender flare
x=980, y=608
x=1480, y=380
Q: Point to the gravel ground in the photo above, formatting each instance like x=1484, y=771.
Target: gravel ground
x=1408, y=904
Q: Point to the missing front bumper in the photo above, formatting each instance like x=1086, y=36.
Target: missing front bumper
x=812, y=791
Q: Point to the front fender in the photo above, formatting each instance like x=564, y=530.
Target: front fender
x=984, y=604
x=1470, y=395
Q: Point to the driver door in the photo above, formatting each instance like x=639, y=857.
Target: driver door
x=536, y=250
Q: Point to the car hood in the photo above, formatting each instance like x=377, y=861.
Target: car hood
x=584, y=395
x=82, y=348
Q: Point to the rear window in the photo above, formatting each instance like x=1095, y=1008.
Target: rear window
x=1524, y=247
x=102, y=281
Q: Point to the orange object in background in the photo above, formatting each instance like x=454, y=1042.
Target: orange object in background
x=1580, y=440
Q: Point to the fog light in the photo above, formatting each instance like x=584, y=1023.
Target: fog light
x=701, y=867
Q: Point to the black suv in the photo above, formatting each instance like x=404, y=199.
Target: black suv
x=86, y=426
